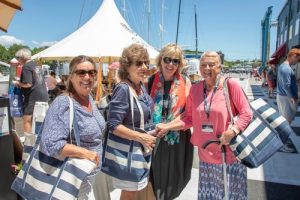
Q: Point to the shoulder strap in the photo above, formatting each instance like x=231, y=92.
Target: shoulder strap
x=72, y=124
x=132, y=97
x=227, y=99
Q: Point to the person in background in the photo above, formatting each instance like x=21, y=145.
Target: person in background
x=14, y=63
x=172, y=160
x=32, y=85
x=91, y=125
x=51, y=83
x=133, y=67
x=271, y=80
x=263, y=78
x=287, y=90
x=18, y=147
x=207, y=113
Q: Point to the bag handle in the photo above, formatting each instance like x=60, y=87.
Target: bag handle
x=255, y=112
x=227, y=99
x=132, y=98
x=73, y=124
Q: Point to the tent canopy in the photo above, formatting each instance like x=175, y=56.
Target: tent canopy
x=106, y=34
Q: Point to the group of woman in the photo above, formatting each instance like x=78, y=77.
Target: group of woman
x=168, y=100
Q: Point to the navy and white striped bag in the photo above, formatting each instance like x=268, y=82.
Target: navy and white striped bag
x=126, y=160
x=45, y=177
x=264, y=136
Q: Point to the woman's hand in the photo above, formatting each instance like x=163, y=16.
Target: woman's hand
x=92, y=156
x=227, y=136
x=148, y=141
x=161, y=130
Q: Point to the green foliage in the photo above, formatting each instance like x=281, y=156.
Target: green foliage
x=37, y=50
x=7, y=54
x=4, y=55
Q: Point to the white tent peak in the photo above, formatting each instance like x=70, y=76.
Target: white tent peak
x=106, y=34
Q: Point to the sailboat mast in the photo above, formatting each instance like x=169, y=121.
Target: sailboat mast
x=196, y=31
x=124, y=9
x=149, y=21
x=178, y=21
x=162, y=23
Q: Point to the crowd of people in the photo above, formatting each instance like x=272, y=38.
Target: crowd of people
x=166, y=100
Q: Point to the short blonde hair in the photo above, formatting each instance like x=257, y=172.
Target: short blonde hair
x=170, y=50
x=212, y=54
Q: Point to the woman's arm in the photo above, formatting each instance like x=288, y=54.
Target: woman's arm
x=73, y=151
x=118, y=110
x=183, y=121
x=147, y=140
x=241, y=104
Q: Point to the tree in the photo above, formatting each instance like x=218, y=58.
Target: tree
x=38, y=50
x=4, y=55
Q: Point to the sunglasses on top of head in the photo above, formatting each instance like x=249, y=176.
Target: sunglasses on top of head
x=168, y=60
x=82, y=72
x=140, y=63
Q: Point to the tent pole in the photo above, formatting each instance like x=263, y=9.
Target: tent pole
x=110, y=79
x=99, y=90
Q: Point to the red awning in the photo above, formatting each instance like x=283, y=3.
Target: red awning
x=273, y=61
x=280, y=51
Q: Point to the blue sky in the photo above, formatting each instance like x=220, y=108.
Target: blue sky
x=232, y=26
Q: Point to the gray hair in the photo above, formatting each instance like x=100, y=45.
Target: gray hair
x=211, y=54
x=24, y=54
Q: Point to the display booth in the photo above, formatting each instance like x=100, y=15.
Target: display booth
x=6, y=152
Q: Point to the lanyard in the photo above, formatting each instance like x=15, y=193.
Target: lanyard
x=207, y=107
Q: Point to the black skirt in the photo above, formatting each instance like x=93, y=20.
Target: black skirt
x=171, y=167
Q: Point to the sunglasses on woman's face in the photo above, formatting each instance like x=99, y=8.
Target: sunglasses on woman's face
x=168, y=60
x=82, y=72
x=140, y=63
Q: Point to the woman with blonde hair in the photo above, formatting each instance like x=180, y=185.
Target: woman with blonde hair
x=173, y=155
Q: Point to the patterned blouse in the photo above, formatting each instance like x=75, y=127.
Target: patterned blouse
x=55, y=132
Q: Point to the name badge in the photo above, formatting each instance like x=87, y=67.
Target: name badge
x=207, y=128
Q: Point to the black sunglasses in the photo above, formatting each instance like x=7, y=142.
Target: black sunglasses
x=140, y=63
x=82, y=72
x=168, y=60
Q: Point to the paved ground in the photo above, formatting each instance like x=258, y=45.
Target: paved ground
x=278, y=178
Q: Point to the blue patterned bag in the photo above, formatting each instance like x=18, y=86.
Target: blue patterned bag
x=46, y=177
x=16, y=102
x=264, y=136
x=126, y=160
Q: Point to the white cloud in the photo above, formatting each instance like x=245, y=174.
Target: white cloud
x=8, y=41
x=44, y=43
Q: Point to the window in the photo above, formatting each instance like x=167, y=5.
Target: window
x=298, y=6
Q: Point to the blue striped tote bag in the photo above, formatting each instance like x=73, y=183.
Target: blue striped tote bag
x=264, y=136
x=127, y=160
x=43, y=177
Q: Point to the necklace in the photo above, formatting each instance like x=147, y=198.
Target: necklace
x=136, y=88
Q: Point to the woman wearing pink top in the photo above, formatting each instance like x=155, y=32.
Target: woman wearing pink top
x=207, y=113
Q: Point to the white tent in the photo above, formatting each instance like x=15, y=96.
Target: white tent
x=106, y=34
